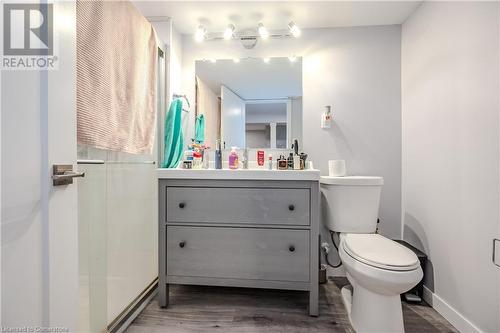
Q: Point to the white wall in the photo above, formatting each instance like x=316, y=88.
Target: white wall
x=357, y=71
x=450, y=89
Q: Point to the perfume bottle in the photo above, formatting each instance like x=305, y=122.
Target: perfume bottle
x=282, y=163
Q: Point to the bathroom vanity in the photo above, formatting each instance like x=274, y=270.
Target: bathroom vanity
x=240, y=228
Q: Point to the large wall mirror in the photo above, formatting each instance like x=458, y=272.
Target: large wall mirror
x=251, y=102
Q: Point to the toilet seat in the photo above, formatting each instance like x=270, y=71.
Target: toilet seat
x=380, y=252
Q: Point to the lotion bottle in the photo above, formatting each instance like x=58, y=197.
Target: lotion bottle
x=233, y=159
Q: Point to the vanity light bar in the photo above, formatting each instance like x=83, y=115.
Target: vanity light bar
x=230, y=33
x=200, y=33
x=263, y=33
x=292, y=58
x=294, y=29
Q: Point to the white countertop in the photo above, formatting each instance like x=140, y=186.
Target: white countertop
x=246, y=174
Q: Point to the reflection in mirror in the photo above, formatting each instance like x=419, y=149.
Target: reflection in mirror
x=250, y=103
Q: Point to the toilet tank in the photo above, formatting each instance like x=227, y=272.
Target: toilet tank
x=350, y=204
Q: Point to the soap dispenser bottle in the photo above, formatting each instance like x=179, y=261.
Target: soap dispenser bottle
x=233, y=159
x=326, y=117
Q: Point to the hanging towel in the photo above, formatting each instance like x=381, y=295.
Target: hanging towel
x=116, y=69
x=174, y=140
x=200, y=129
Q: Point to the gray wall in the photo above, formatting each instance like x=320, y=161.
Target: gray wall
x=450, y=87
x=357, y=71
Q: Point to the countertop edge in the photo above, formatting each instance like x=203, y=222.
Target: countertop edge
x=240, y=174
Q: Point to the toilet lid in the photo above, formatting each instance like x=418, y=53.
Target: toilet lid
x=378, y=251
x=352, y=180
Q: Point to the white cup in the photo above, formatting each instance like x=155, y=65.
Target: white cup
x=336, y=168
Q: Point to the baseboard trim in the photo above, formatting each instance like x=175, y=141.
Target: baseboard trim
x=449, y=313
x=427, y=296
x=123, y=321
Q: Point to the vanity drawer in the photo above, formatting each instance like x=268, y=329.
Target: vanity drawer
x=238, y=253
x=238, y=205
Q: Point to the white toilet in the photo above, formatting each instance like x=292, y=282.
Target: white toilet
x=378, y=268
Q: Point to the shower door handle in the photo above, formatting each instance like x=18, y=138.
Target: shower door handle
x=63, y=174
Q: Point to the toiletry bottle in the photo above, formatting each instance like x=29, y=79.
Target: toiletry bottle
x=290, y=162
x=197, y=161
x=326, y=117
x=206, y=159
x=282, y=163
x=233, y=159
x=296, y=162
x=218, y=155
x=303, y=158
x=260, y=157
x=270, y=162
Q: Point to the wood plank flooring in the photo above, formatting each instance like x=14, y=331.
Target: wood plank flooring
x=240, y=310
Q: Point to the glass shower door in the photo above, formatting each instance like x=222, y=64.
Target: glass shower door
x=92, y=228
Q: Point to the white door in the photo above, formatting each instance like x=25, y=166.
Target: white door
x=39, y=259
x=232, y=119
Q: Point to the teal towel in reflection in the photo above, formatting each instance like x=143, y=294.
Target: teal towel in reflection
x=174, y=140
x=200, y=129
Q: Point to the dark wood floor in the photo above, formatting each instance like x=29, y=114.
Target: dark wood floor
x=237, y=310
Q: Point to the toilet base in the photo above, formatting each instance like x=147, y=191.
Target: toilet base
x=372, y=313
x=346, y=293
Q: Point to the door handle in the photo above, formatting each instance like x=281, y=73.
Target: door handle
x=496, y=261
x=63, y=174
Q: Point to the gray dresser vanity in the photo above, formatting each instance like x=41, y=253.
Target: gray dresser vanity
x=240, y=228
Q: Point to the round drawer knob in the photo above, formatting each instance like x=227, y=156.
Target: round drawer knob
x=291, y=248
x=291, y=207
x=182, y=205
x=182, y=244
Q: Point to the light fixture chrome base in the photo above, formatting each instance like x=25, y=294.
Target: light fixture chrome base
x=248, y=42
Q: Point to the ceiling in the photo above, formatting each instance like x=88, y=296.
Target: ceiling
x=252, y=78
x=216, y=15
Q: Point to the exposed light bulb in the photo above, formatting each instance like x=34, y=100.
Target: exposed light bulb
x=236, y=60
x=294, y=29
x=199, y=36
x=229, y=32
x=264, y=34
x=266, y=60
x=292, y=58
